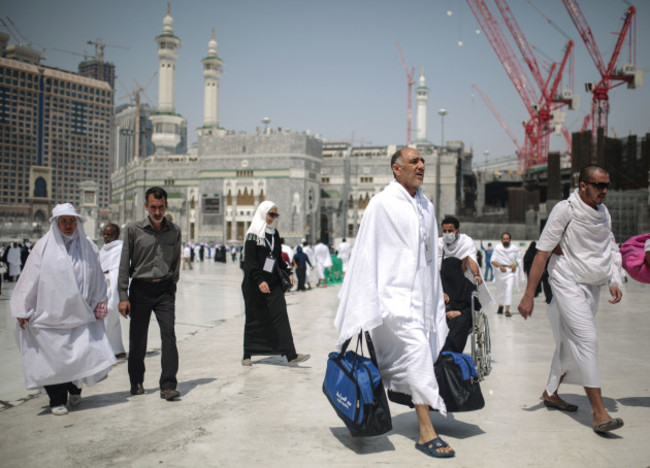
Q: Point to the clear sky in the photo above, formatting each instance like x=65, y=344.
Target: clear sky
x=332, y=66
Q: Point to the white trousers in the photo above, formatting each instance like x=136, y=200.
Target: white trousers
x=504, y=282
x=572, y=314
x=405, y=355
x=114, y=330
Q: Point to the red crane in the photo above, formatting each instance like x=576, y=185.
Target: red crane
x=410, y=82
x=543, y=108
x=610, y=77
x=497, y=115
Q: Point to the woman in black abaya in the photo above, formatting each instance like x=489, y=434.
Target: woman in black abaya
x=458, y=303
x=267, y=330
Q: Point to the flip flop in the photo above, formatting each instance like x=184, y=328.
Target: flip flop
x=606, y=426
x=561, y=405
x=432, y=451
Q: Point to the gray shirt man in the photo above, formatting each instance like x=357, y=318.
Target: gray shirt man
x=149, y=254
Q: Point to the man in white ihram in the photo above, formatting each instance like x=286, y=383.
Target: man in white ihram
x=508, y=272
x=393, y=289
x=583, y=257
x=109, y=257
x=323, y=260
x=343, y=252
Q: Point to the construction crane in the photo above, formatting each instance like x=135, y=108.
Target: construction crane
x=552, y=99
x=410, y=82
x=544, y=111
x=99, y=54
x=79, y=54
x=135, y=94
x=610, y=77
x=497, y=115
x=100, y=46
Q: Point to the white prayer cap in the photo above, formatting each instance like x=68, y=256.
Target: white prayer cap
x=66, y=209
x=303, y=240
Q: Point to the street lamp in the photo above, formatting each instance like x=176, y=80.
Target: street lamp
x=442, y=113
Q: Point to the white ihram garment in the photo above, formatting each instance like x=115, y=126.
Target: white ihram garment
x=323, y=259
x=61, y=284
x=13, y=259
x=312, y=260
x=109, y=258
x=508, y=280
x=591, y=259
x=344, y=250
x=393, y=289
x=462, y=248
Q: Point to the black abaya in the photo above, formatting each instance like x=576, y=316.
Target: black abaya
x=267, y=329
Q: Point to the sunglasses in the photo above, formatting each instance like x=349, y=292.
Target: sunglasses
x=274, y=215
x=599, y=185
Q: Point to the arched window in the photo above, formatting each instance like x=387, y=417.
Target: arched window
x=245, y=198
x=40, y=188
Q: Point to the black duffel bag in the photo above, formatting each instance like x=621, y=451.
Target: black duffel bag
x=457, y=384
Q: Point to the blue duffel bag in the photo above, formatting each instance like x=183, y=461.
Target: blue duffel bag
x=354, y=388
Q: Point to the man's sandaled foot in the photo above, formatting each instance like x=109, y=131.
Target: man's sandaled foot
x=609, y=425
x=561, y=405
x=431, y=448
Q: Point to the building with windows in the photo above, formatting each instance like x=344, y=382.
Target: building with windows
x=321, y=188
x=55, y=133
x=350, y=176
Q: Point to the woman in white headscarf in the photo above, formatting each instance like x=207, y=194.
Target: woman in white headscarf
x=267, y=329
x=59, y=303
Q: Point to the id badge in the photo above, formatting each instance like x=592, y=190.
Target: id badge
x=427, y=253
x=269, y=263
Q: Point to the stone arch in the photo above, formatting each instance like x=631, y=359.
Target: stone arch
x=39, y=216
x=246, y=198
x=363, y=201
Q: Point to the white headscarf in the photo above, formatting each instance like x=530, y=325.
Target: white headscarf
x=258, y=226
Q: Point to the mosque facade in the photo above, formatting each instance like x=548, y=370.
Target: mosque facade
x=321, y=188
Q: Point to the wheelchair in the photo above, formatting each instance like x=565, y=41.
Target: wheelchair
x=481, y=348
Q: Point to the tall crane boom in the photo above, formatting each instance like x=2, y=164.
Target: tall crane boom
x=522, y=43
x=497, y=115
x=609, y=76
x=543, y=108
x=410, y=82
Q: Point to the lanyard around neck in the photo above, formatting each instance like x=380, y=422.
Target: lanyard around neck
x=270, y=244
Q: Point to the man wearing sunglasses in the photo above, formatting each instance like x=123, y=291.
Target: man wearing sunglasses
x=584, y=256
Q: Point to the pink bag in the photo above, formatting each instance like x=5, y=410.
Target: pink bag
x=633, y=253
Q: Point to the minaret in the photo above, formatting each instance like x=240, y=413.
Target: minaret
x=212, y=69
x=422, y=97
x=166, y=123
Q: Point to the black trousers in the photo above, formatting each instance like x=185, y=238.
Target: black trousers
x=301, y=273
x=58, y=393
x=146, y=297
